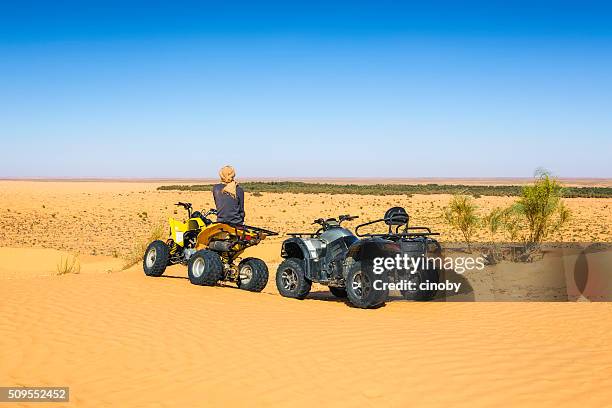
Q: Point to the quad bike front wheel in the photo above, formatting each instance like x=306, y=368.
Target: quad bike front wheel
x=291, y=280
x=156, y=258
x=252, y=274
x=361, y=289
x=205, y=268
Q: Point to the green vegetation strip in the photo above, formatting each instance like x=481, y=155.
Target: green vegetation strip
x=391, y=189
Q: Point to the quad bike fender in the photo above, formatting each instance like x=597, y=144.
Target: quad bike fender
x=177, y=230
x=297, y=248
x=217, y=231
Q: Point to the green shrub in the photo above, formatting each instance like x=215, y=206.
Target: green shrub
x=538, y=213
x=542, y=207
x=493, y=221
x=461, y=214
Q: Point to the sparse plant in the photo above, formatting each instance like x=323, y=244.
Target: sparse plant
x=461, y=214
x=69, y=264
x=493, y=221
x=257, y=194
x=136, y=254
x=542, y=207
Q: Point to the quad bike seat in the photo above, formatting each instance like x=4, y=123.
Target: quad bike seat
x=396, y=216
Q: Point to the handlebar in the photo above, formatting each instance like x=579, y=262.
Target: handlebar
x=211, y=211
x=189, y=207
x=347, y=217
x=327, y=223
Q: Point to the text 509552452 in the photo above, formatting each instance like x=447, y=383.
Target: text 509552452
x=34, y=394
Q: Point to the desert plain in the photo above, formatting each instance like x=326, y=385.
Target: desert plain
x=118, y=338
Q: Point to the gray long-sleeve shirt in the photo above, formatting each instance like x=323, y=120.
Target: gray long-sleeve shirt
x=229, y=209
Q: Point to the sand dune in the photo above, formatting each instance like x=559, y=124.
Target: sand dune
x=122, y=339
x=19, y=263
x=118, y=338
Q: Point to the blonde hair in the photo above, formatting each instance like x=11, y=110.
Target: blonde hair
x=227, y=175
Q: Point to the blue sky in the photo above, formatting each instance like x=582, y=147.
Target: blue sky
x=287, y=89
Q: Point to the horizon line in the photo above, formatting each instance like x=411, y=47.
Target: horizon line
x=580, y=181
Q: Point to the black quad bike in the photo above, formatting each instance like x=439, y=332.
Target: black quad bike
x=344, y=261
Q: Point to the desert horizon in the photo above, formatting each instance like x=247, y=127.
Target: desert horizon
x=567, y=181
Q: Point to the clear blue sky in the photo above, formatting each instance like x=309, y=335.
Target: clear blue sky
x=312, y=89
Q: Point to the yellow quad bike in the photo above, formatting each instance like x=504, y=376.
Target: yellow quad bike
x=210, y=250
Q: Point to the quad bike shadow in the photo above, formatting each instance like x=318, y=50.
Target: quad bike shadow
x=464, y=294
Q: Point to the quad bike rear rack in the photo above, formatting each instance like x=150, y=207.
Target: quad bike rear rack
x=243, y=228
x=303, y=234
x=406, y=233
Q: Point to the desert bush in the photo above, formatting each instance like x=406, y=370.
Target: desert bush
x=542, y=208
x=136, y=253
x=513, y=223
x=69, y=264
x=461, y=214
x=493, y=222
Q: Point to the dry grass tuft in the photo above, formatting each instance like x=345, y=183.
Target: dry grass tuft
x=70, y=264
x=136, y=254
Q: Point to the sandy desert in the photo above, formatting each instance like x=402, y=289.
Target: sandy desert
x=106, y=218
x=118, y=338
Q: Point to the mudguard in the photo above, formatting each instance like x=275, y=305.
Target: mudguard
x=296, y=248
x=365, y=250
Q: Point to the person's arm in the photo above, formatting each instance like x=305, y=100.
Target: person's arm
x=215, y=192
x=240, y=194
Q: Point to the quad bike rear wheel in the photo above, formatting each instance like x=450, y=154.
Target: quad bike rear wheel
x=338, y=292
x=291, y=280
x=252, y=274
x=156, y=258
x=428, y=275
x=205, y=268
x=360, y=287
